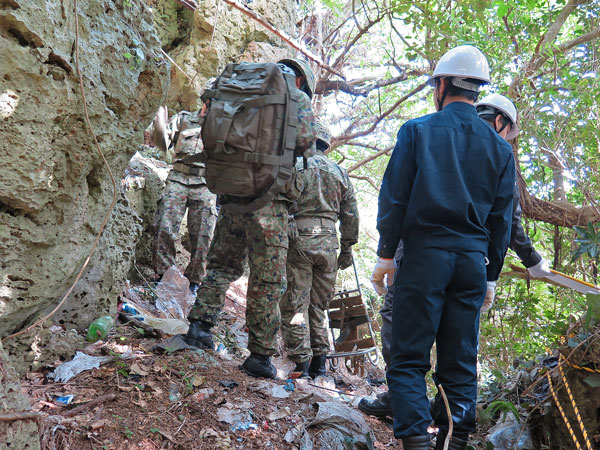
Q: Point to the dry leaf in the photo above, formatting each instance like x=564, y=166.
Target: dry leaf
x=138, y=369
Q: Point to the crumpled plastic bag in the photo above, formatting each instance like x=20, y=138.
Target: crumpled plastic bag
x=504, y=436
x=341, y=427
x=80, y=363
x=173, y=294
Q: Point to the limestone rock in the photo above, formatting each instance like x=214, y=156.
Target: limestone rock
x=54, y=188
x=222, y=34
x=22, y=434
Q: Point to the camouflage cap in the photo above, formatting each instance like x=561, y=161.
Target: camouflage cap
x=323, y=135
x=302, y=66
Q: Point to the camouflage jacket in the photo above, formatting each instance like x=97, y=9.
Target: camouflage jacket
x=184, y=134
x=328, y=194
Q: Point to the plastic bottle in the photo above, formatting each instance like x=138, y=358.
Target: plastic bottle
x=99, y=328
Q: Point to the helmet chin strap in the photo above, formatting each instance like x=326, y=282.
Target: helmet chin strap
x=503, y=126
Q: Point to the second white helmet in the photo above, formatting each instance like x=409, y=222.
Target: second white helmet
x=464, y=61
x=505, y=106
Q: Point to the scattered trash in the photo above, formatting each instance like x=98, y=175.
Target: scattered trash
x=510, y=435
x=242, y=426
x=279, y=391
x=99, y=328
x=80, y=363
x=289, y=385
x=173, y=393
x=129, y=309
x=173, y=294
x=203, y=394
x=66, y=400
x=238, y=416
x=284, y=366
x=341, y=426
x=267, y=388
x=279, y=414
x=229, y=384
x=168, y=326
x=173, y=344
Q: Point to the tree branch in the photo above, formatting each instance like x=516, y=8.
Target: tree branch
x=370, y=158
x=379, y=118
x=367, y=179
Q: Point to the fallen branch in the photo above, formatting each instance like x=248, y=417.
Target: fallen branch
x=91, y=403
x=449, y=414
x=10, y=417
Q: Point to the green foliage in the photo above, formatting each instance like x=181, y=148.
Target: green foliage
x=488, y=415
x=588, y=240
x=592, y=316
x=556, y=90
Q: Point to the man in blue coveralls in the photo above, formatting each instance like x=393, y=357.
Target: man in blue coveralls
x=447, y=193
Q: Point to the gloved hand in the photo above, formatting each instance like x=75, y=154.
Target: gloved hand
x=383, y=267
x=488, y=301
x=344, y=259
x=540, y=270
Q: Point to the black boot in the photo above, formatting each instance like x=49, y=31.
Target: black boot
x=416, y=442
x=317, y=366
x=379, y=407
x=456, y=443
x=194, y=288
x=199, y=335
x=302, y=368
x=259, y=366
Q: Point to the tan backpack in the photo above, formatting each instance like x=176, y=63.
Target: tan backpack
x=249, y=133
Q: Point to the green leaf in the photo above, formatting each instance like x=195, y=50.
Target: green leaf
x=128, y=55
x=502, y=10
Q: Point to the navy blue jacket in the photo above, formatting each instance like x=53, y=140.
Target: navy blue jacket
x=449, y=184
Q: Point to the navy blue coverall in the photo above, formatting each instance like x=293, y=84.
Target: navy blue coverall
x=447, y=193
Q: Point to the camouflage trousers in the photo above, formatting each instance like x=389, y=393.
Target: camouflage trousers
x=311, y=269
x=261, y=236
x=202, y=216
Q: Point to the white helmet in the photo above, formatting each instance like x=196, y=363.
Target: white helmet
x=502, y=104
x=464, y=61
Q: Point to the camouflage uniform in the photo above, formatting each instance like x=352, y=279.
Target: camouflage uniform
x=262, y=236
x=185, y=188
x=312, y=260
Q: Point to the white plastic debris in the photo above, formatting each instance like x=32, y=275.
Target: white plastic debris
x=80, y=363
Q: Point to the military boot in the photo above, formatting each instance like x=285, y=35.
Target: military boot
x=259, y=366
x=199, y=335
x=317, y=366
x=302, y=368
x=456, y=443
x=416, y=442
x=379, y=407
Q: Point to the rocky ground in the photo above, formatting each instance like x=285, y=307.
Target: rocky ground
x=150, y=398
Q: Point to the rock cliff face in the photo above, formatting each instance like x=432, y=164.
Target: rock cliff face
x=218, y=35
x=54, y=187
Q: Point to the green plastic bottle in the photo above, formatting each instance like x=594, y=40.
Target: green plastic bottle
x=99, y=328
